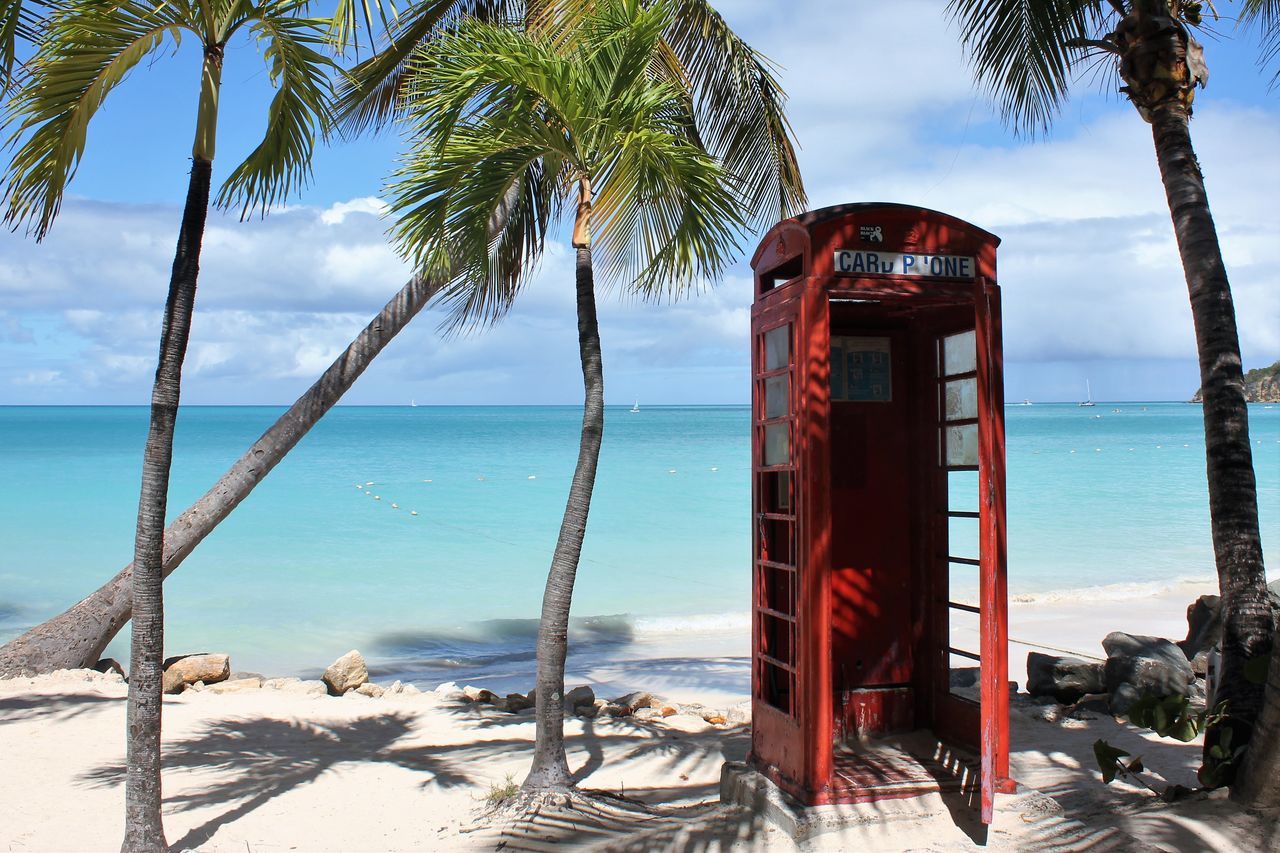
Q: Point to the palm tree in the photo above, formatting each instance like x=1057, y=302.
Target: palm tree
x=87, y=50
x=739, y=104
x=1026, y=52
x=570, y=119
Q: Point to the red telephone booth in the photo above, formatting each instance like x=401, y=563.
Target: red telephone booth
x=879, y=599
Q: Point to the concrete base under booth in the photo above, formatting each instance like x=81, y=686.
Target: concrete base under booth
x=898, y=778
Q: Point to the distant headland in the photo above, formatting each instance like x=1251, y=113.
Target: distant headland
x=1261, y=385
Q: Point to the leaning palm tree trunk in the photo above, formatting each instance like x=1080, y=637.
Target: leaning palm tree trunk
x=144, y=829
x=550, y=770
x=1233, y=497
x=75, y=638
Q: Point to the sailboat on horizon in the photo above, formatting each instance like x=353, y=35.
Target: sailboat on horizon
x=636, y=407
x=1088, y=397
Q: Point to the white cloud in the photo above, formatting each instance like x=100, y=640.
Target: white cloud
x=884, y=109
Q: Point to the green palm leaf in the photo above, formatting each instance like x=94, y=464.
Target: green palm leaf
x=20, y=20
x=85, y=54
x=1022, y=52
x=281, y=163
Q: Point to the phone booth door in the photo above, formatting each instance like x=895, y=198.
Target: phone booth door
x=776, y=623
x=974, y=693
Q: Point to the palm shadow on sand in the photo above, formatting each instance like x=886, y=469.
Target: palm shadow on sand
x=259, y=759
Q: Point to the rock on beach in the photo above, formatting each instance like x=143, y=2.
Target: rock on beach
x=1139, y=666
x=188, y=669
x=346, y=673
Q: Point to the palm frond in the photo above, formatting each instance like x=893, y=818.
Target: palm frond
x=740, y=110
x=20, y=21
x=1265, y=15
x=297, y=64
x=1022, y=52
x=368, y=94
x=85, y=52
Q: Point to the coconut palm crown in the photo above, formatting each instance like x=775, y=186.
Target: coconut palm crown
x=502, y=119
x=87, y=49
x=737, y=102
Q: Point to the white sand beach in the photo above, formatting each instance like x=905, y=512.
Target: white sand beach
x=267, y=770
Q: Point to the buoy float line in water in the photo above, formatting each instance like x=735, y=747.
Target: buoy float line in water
x=377, y=497
x=395, y=506
x=413, y=512
x=531, y=477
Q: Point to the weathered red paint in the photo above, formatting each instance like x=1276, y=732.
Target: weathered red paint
x=851, y=620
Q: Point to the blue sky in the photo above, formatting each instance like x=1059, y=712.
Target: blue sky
x=884, y=109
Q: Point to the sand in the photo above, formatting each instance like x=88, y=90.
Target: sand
x=267, y=770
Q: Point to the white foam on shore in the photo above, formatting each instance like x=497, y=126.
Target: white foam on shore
x=1190, y=585
x=698, y=623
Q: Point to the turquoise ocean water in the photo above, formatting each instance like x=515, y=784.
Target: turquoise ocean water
x=310, y=565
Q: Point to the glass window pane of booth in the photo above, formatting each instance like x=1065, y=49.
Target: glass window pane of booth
x=777, y=348
x=775, y=396
x=962, y=399
x=959, y=353
x=777, y=440
x=962, y=445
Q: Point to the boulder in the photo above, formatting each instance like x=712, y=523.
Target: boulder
x=305, y=688
x=964, y=676
x=1273, y=592
x=517, y=702
x=235, y=685
x=579, y=696
x=346, y=673
x=188, y=669
x=691, y=723
x=640, y=699
x=370, y=689
x=449, y=688
x=479, y=694
x=612, y=710
x=1204, y=625
x=1200, y=663
x=1140, y=666
x=1065, y=679
x=109, y=665
x=645, y=714
x=281, y=683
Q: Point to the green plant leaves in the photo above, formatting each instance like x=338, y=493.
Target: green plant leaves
x=1168, y=716
x=1108, y=758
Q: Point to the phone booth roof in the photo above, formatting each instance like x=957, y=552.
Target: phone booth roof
x=878, y=240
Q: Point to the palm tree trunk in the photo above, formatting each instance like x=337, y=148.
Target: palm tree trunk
x=550, y=770
x=1233, y=498
x=1258, y=782
x=76, y=638
x=144, y=828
